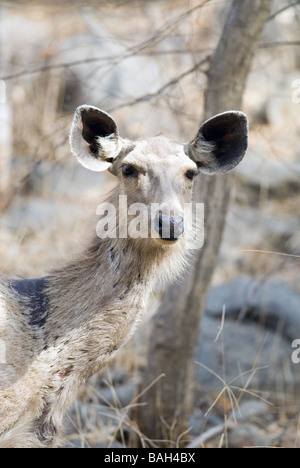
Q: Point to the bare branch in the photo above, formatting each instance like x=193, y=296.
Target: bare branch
x=162, y=89
x=107, y=59
x=286, y=7
x=267, y=45
x=139, y=49
x=117, y=58
x=19, y=185
x=57, y=66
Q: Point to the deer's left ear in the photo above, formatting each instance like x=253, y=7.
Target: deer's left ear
x=221, y=143
x=94, y=138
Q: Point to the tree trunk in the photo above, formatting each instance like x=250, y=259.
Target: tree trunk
x=175, y=328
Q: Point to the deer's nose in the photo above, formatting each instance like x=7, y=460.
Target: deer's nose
x=169, y=228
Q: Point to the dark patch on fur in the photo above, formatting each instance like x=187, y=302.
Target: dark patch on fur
x=33, y=290
x=112, y=255
x=44, y=428
x=66, y=372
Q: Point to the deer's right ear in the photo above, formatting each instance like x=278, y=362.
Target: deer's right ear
x=221, y=143
x=94, y=138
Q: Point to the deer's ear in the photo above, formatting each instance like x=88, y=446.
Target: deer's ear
x=94, y=138
x=221, y=143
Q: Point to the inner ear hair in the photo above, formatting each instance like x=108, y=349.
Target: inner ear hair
x=108, y=147
x=201, y=151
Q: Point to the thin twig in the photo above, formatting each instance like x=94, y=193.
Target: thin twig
x=286, y=7
x=162, y=89
x=222, y=324
x=268, y=45
x=54, y=66
x=118, y=58
x=135, y=50
x=272, y=253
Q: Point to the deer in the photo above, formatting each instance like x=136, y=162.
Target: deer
x=61, y=329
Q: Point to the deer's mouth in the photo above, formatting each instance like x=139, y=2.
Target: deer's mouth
x=165, y=242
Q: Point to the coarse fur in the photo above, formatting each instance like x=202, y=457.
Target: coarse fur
x=92, y=306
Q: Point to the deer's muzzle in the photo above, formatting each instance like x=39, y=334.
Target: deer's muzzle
x=169, y=228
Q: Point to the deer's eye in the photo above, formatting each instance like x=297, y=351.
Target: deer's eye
x=190, y=174
x=129, y=171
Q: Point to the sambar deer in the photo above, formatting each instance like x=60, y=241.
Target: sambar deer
x=59, y=330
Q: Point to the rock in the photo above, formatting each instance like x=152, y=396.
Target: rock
x=113, y=376
x=199, y=422
x=271, y=303
x=251, y=227
x=119, y=396
x=260, y=170
x=252, y=410
x=246, y=435
x=254, y=349
x=244, y=429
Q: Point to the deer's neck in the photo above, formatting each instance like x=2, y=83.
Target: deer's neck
x=97, y=301
x=90, y=309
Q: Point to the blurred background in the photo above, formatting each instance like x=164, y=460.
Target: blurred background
x=136, y=59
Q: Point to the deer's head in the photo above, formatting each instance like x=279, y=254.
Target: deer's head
x=158, y=172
